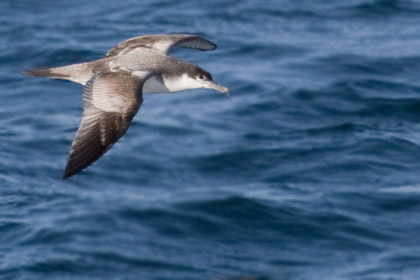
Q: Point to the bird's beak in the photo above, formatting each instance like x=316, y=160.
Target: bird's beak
x=217, y=87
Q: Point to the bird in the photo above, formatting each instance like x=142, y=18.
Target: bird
x=114, y=86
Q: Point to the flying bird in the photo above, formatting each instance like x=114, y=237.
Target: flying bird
x=113, y=88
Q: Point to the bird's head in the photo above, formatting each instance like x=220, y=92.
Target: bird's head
x=193, y=77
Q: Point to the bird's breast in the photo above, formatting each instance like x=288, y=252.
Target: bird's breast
x=155, y=85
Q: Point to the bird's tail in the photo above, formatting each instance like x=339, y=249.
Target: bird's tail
x=46, y=72
x=79, y=73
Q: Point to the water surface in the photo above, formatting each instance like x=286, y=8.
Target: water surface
x=309, y=170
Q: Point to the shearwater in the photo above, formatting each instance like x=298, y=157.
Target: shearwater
x=113, y=88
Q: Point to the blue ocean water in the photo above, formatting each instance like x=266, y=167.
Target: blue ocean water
x=309, y=170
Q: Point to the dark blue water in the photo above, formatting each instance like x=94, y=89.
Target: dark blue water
x=310, y=170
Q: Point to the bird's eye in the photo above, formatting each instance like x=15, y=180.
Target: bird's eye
x=201, y=77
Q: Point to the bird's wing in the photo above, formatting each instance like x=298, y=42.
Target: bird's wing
x=110, y=102
x=163, y=43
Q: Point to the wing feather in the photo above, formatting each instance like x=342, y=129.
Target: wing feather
x=111, y=100
x=163, y=43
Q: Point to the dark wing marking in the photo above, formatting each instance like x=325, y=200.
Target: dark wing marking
x=110, y=102
x=163, y=43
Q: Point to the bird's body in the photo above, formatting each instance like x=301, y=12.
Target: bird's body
x=113, y=88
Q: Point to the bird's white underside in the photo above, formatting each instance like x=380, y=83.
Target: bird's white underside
x=155, y=85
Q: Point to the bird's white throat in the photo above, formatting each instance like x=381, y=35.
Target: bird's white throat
x=164, y=84
x=182, y=82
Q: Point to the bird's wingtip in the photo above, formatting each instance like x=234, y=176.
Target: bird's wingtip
x=67, y=173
